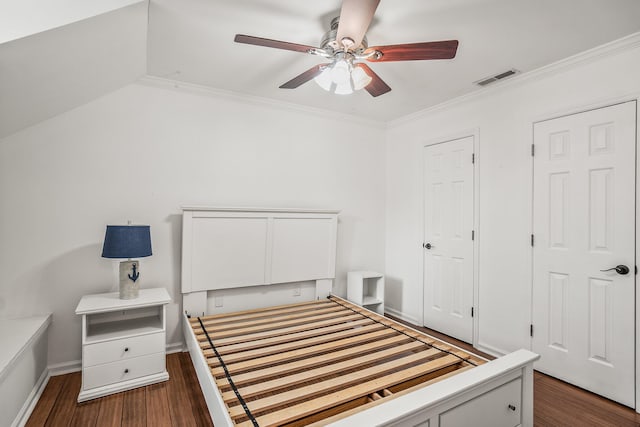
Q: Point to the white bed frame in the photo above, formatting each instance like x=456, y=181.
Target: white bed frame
x=498, y=393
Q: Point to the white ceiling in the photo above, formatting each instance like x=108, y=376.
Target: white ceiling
x=48, y=66
x=192, y=41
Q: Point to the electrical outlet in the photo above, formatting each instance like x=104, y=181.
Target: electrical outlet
x=296, y=291
x=218, y=301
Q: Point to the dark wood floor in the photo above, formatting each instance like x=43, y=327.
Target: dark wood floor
x=179, y=402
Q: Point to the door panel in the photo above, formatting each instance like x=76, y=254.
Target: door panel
x=584, y=222
x=448, y=221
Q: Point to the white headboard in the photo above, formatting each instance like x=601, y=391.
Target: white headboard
x=229, y=248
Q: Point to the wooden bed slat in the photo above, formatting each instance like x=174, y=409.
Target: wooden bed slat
x=293, y=412
x=352, y=327
x=295, y=354
x=283, y=331
x=280, y=348
x=259, y=312
x=325, y=371
x=271, y=318
x=287, y=398
x=272, y=326
x=333, y=357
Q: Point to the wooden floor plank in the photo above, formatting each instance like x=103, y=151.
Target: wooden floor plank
x=110, y=414
x=198, y=404
x=134, y=411
x=62, y=412
x=157, y=405
x=178, y=395
x=86, y=414
x=47, y=400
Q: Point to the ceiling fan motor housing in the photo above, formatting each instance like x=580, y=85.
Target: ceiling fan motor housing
x=329, y=42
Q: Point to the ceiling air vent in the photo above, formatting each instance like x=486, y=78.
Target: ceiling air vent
x=488, y=80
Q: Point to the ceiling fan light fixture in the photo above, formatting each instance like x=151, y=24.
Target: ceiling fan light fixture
x=360, y=78
x=341, y=72
x=324, y=79
x=344, y=89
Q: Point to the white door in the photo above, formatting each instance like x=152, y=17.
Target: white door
x=583, y=223
x=448, y=244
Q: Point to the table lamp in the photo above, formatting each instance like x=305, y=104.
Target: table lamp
x=128, y=241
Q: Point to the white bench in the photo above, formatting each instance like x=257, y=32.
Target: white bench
x=23, y=366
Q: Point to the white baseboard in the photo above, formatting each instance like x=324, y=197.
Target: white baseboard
x=489, y=349
x=176, y=347
x=64, y=368
x=400, y=315
x=25, y=412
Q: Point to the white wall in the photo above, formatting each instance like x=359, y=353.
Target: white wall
x=140, y=153
x=503, y=116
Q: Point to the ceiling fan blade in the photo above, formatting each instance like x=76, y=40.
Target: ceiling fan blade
x=304, y=77
x=259, y=41
x=415, y=51
x=355, y=17
x=377, y=86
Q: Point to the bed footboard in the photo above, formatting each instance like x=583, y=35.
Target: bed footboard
x=498, y=393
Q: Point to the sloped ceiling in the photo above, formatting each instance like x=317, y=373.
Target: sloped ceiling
x=47, y=73
x=191, y=41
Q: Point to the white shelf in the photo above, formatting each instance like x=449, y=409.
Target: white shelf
x=367, y=300
x=116, y=329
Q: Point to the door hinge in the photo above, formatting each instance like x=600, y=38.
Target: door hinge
x=473, y=158
x=533, y=150
x=636, y=270
x=531, y=330
x=471, y=311
x=473, y=234
x=532, y=240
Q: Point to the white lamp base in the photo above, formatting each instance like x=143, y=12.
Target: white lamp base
x=129, y=288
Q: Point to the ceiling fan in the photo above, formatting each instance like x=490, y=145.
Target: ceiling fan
x=345, y=44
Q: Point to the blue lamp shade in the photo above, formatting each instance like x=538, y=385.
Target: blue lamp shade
x=127, y=241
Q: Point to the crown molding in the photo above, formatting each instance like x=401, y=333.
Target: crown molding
x=179, y=86
x=623, y=44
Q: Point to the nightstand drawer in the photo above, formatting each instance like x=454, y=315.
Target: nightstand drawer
x=122, y=349
x=124, y=370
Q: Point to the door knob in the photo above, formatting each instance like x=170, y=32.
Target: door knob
x=620, y=269
x=427, y=246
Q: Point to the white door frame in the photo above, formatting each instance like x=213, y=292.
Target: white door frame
x=475, y=134
x=576, y=110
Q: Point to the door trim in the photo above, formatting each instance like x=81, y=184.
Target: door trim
x=475, y=134
x=603, y=103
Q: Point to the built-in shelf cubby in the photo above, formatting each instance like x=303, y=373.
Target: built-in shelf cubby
x=366, y=288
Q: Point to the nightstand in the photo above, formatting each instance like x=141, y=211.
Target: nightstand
x=123, y=342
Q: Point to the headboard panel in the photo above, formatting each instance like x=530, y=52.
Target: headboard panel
x=225, y=248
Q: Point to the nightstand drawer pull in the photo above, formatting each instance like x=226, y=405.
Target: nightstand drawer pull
x=512, y=407
x=126, y=349
x=126, y=371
